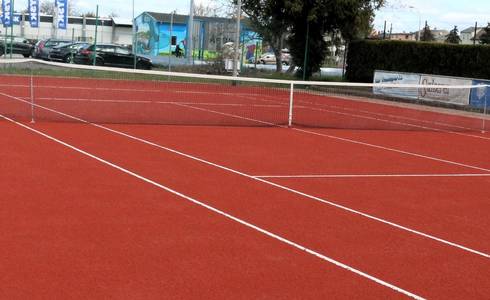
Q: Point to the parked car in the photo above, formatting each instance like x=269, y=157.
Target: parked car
x=270, y=57
x=44, y=47
x=66, y=53
x=19, y=46
x=112, y=56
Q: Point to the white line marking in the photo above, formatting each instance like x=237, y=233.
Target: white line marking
x=392, y=150
x=222, y=213
x=372, y=175
x=353, y=211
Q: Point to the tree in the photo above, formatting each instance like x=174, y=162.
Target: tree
x=89, y=14
x=427, y=35
x=47, y=7
x=312, y=20
x=485, y=37
x=453, y=36
x=269, y=18
x=214, y=8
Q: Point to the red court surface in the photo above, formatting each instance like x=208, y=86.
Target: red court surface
x=78, y=228
x=385, y=203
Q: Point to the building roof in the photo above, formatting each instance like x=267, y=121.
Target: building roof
x=471, y=29
x=122, y=22
x=182, y=19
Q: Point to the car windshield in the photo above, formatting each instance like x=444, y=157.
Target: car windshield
x=51, y=44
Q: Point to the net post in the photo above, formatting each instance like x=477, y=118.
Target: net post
x=291, y=102
x=485, y=110
x=31, y=85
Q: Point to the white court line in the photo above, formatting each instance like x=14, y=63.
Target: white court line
x=372, y=175
x=222, y=213
x=311, y=197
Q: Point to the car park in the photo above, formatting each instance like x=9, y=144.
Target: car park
x=66, y=52
x=111, y=55
x=44, y=47
x=17, y=44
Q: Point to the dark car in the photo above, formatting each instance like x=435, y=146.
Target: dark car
x=65, y=53
x=112, y=56
x=19, y=46
x=44, y=47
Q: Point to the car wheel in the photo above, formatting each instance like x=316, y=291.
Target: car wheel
x=68, y=59
x=26, y=55
x=262, y=62
x=99, y=62
x=143, y=66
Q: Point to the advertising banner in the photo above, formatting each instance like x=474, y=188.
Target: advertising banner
x=62, y=13
x=459, y=96
x=396, y=78
x=6, y=17
x=480, y=96
x=34, y=13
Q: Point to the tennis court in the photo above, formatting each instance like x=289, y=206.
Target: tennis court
x=119, y=185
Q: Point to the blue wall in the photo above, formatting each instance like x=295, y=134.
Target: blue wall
x=178, y=30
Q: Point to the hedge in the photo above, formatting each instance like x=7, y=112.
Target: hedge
x=364, y=57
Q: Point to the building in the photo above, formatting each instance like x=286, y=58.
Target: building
x=403, y=36
x=161, y=34
x=468, y=35
x=440, y=35
x=110, y=30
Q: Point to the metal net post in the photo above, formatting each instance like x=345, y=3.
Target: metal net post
x=291, y=103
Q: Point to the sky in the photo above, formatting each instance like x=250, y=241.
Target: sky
x=403, y=15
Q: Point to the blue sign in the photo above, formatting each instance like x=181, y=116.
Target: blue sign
x=7, y=13
x=62, y=9
x=480, y=95
x=34, y=13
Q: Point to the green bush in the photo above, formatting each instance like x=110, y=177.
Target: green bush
x=364, y=57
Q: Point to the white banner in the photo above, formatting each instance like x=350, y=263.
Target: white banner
x=396, y=78
x=460, y=96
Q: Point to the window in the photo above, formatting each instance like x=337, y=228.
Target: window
x=124, y=51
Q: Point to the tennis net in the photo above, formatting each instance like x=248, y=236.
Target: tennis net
x=39, y=91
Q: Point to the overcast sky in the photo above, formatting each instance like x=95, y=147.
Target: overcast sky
x=403, y=14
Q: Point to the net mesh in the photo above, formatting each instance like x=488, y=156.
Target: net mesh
x=40, y=91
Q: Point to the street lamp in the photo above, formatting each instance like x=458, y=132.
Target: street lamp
x=420, y=19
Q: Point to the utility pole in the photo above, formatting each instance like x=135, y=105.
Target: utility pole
x=237, y=38
x=384, y=31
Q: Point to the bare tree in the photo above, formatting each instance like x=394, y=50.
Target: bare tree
x=47, y=7
x=214, y=8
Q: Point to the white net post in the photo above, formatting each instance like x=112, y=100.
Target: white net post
x=31, y=85
x=291, y=103
x=485, y=109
